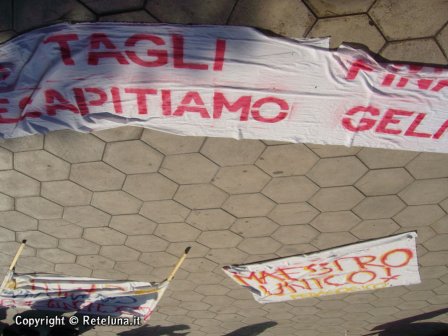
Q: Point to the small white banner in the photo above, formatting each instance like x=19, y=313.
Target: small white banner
x=374, y=264
x=83, y=295
x=217, y=81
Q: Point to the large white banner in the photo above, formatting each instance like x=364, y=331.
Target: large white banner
x=374, y=264
x=218, y=81
x=83, y=295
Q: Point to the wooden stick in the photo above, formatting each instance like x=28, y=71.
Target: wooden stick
x=16, y=258
x=179, y=263
x=13, y=264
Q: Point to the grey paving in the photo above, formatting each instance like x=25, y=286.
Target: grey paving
x=124, y=203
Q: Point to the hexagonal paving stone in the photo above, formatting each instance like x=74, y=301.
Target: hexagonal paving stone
x=116, y=202
x=34, y=264
x=241, y=179
x=41, y=165
x=17, y=221
x=375, y=158
x=284, y=17
x=56, y=256
x=337, y=171
x=259, y=245
x=375, y=228
x=230, y=152
x=294, y=249
x=425, y=191
x=6, y=203
x=5, y=158
x=248, y=205
x=170, y=144
x=188, y=168
x=197, y=250
x=352, y=29
x=37, y=239
x=219, y=239
x=97, y=176
x=295, y=234
x=39, y=207
x=73, y=270
x=104, y=236
x=86, y=216
x=290, y=189
x=7, y=235
x=27, y=143
x=293, y=213
x=194, y=265
x=164, y=211
x=210, y=219
x=95, y=262
x=132, y=157
x=119, y=253
x=48, y=12
x=327, y=240
x=78, y=246
x=150, y=187
x=15, y=184
x=429, y=165
x=191, y=11
x=6, y=15
x=420, y=215
x=438, y=243
x=74, y=147
x=119, y=133
x=287, y=160
x=66, y=193
x=434, y=258
x=335, y=221
x=212, y=290
x=200, y=196
x=60, y=228
x=328, y=151
x=324, y=8
x=336, y=198
x=158, y=259
x=416, y=19
x=442, y=38
x=177, y=232
x=134, y=16
x=425, y=51
x=441, y=226
x=254, y=227
x=133, y=267
x=105, y=6
x=379, y=207
x=132, y=224
x=384, y=181
x=146, y=243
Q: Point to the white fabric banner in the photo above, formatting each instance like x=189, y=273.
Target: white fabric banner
x=218, y=81
x=83, y=295
x=374, y=264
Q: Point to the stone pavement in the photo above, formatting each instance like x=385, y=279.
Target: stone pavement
x=124, y=203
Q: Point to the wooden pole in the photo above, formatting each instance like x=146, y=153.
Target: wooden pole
x=16, y=258
x=13, y=264
x=179, y=263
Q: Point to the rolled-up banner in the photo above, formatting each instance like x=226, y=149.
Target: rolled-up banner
x=81, y=294
x=218, y=81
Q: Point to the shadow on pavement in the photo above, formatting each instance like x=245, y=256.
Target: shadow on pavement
x=412, y=327
x=155, y=330
x=176, y=330
x=252, y=330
